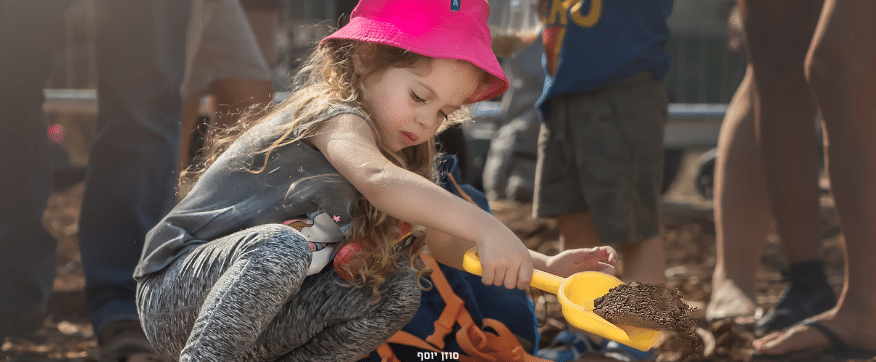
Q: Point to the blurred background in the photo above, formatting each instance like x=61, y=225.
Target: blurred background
x=702, y=78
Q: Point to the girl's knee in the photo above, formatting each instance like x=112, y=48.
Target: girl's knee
x=276, y=244
x=270, y=237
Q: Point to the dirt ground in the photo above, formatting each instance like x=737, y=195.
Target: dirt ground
x=690, y=244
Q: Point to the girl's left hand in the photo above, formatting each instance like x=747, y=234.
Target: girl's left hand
x=602, y=259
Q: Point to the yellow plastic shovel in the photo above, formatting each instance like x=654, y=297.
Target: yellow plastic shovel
x=576, y=294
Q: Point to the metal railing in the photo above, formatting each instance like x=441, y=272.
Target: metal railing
x=689, y=125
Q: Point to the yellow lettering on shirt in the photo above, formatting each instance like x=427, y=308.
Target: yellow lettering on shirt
x=557, y=20
x=592, y=17
x=557, y=14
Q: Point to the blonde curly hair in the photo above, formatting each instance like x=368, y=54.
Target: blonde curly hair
x=327, y=79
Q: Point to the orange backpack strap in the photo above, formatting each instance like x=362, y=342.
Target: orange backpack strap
x=462, y=193
x=479, y=345
x=501, y=345
x=454, y=309
x=405, y=338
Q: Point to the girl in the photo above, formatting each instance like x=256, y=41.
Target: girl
x=239, y=269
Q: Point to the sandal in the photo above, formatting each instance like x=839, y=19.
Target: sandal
x=795, y=306
x=568, y=346
x=838, y=349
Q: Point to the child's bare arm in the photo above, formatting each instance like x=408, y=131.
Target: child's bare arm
x=349, y=145
x=449, y=251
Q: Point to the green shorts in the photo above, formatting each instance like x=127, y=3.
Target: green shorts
x=602, y=152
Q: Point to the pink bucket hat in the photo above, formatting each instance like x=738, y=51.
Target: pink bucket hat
x=452, y=29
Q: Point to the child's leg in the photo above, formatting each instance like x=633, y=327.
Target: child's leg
x=328, y=321
x=245, y=298
x=214, y=302
x=600, y=171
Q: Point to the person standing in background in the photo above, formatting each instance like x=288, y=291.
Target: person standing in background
x=600, y=160
x=132, y=164
x=743, y=212
x=228, y=61
x=826, y=48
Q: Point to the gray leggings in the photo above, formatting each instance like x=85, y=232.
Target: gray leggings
x=245, y=297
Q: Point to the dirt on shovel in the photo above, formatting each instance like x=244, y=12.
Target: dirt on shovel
x=650, y=306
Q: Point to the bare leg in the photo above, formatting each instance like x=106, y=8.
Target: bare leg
x=842, y=72
x=778, y=34
x=643, y=261
x=577, y=231
x=742, y=214
x=233, y=96
x=778, y=37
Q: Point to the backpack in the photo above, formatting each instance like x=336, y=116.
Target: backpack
x=492, y=341
x=453, y=311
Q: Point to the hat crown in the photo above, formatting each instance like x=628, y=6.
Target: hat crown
x=453, y=29
x=471, y=15
x=478, y=9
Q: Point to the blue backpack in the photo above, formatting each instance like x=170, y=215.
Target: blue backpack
x=479, y=323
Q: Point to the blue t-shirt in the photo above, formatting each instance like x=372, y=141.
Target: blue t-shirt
x=592, y=43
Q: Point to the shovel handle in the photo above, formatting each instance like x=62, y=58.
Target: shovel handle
x=541, y=280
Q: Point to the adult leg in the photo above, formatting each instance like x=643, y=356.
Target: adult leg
x=778, y=36
x=842, y=72
x=131, y=180
x=742, y=213
x=28, y=31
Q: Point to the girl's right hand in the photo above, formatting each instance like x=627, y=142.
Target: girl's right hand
x=505, y=260
x=602, y=259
